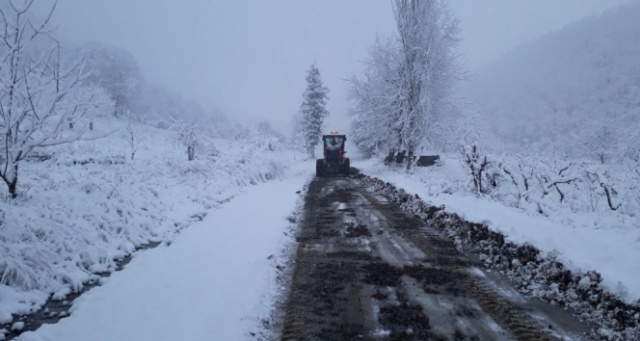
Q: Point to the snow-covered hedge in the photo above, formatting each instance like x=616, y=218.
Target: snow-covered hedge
x=547, y=185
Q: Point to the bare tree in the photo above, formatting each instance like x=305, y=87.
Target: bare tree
x=428, y=36
x=189, y=135
x=377, y=101
x=38, y=96
x=478, y=166
x=406, y=96
x=132, y=140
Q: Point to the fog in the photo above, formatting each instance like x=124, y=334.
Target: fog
x=248, y=58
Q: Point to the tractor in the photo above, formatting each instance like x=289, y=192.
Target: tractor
x=334, y=162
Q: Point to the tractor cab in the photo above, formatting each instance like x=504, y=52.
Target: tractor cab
x=334, y=161
x=333, y=145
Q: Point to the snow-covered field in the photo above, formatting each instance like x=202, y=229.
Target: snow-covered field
x=90, y=205
x=216, y=281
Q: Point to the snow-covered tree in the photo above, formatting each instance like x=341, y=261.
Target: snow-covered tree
x=188, y=136
x=377, y=101
x=265, y=129
x=297, y=140
x=406, y=97
x=116, y=71
x=313, y=109
x=42, y=102
x=268, y=136
x=132, y=140
x=158, y=105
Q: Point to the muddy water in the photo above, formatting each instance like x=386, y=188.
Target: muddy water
x=366, y=271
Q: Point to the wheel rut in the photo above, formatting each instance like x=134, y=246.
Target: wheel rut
x=365, y=270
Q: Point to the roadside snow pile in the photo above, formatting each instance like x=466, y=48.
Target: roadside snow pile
x=90, y=204
x=561, y=206
x=537, y=275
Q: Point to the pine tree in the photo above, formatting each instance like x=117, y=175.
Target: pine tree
x=313, y=109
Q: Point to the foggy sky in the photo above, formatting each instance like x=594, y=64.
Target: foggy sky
x=248, y=58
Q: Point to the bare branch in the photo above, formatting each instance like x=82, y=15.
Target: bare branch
x=609, y=192
x=35, y=100
x=556, y=183
x=41, y=28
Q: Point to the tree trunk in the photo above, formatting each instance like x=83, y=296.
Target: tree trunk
x=311, y=151
x=609, y=199
x=13, y=183
x=409, y=159
x=13, y=188
x=191, y=152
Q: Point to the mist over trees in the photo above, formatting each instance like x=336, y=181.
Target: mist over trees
x=51, y=94
x=404, y=101
x=571, y=93
x=116, y=71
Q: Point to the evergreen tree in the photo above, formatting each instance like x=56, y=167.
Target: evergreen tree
x=313, y=109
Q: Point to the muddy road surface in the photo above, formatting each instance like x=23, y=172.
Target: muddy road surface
x=364, y=270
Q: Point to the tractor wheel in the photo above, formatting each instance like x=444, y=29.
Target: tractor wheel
x=347, y=167
x=319, y=168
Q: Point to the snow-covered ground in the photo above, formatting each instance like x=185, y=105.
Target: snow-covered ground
x=91, y=204
x=582, y=241
x=216, y=281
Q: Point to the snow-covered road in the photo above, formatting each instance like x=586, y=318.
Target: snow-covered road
x=215, y=282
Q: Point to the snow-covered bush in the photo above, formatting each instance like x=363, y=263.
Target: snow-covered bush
x=545, y=184
x=479, y=169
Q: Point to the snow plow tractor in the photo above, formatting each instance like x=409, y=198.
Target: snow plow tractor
x=334, y=162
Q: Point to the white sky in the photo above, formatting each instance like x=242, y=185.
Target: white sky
x=248, y=58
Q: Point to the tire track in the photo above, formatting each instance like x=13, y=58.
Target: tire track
x=364, y=270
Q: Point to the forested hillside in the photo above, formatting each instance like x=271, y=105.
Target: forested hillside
x=573, y=92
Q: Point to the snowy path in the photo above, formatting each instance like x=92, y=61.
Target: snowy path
x=215, y=281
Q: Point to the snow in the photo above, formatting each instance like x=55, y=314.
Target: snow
x=223, y=219
x=215, y=281
x=223, y=230
x=216, y=278
x=581, y=241
x=91, y=204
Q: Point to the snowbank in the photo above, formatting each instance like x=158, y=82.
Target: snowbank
x=589, y=268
